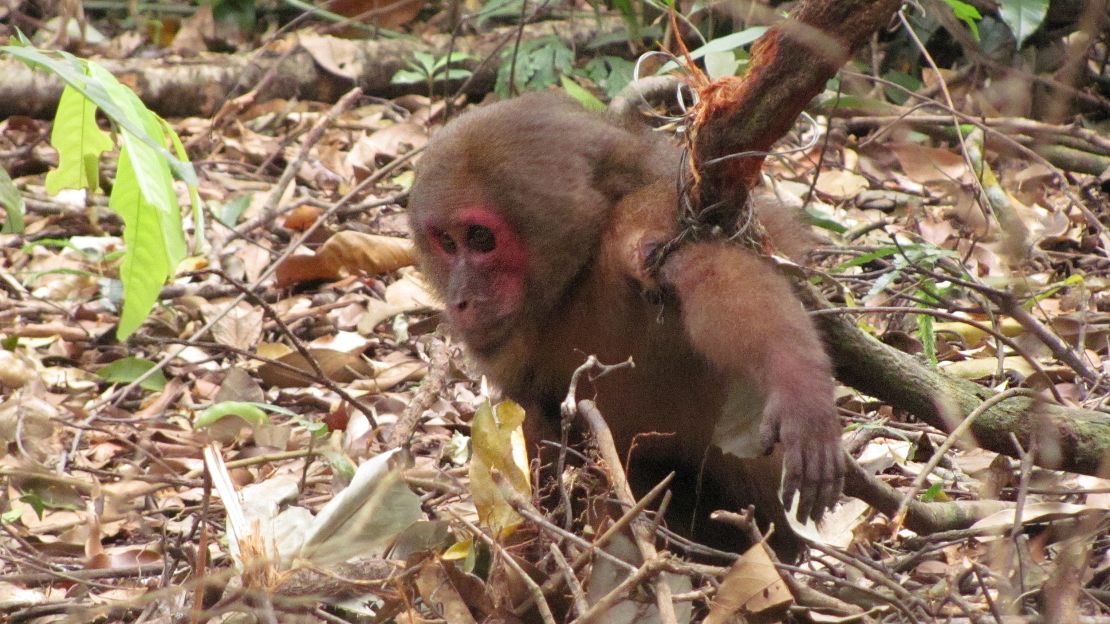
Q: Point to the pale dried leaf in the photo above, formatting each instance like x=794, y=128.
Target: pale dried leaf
x=752, y=587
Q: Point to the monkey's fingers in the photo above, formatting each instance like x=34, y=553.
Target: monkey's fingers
x=817, y=475
x=793, y=482
x=825, y=477
x=809, y=490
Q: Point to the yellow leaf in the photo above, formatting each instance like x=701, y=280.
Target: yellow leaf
x=497, y=442
x=458, y=551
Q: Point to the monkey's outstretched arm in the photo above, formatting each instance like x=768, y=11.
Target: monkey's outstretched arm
x=741, y=314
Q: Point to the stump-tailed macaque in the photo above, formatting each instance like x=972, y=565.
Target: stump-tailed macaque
x=533, y=218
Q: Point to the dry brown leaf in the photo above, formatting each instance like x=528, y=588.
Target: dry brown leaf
x=339, y=357
x=341, y=57
x=302, y=217
x=304, y=268
x=353, y=252
x=408, y=294
x=929, y=164
x=240, y=327
x=752, y=587
x=371, y=254
x=840, y=184
x=436, y=589
x=390, y=14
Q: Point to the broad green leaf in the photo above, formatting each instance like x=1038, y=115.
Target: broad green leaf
x=454, y=73
x=1023, y=17
x=908, y=82
x=143, y=195
x=79, y=142
x=407, y=76
x=967, y=14
x=584, y=97
x=12, y=201
x=146, y=266
x=127, y=370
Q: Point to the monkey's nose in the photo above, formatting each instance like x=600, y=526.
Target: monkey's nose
x=461, y=306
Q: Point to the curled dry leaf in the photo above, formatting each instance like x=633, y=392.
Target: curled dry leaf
x=366, y=253
x=353, y=252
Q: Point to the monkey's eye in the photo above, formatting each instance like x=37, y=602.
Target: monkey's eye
x=480, y=238
x=445, y=241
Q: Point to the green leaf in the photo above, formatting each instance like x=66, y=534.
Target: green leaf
x=611, y=73
x=821, y=219
x=143, y=195
x=933, y=493
x=128, y=369
x=728, y=43
x=252, y=413
x=36, y=503
x=1023, y=17
x=497, y=8
x=407, y=76
x=146, y=266
x=908, y=82
x=967, y=14
x=199, y=237
x=231, y=211
x=425, y=61
x=584, y=97
x=628, y=13
x=863, y=259
x=539, y=63
x=855, y=101
x=12, y=201
x=79, y=142
x=316, y=428
x=455, y=73
x=927, y=337
x=33, y=276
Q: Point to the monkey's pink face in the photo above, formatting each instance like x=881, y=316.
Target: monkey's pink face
x=485, y=261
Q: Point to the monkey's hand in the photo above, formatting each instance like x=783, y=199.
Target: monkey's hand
x=813, y=462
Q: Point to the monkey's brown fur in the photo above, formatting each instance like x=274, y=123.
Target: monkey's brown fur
x=533, y=217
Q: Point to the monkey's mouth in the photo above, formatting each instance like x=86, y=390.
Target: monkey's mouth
x=486, y=336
